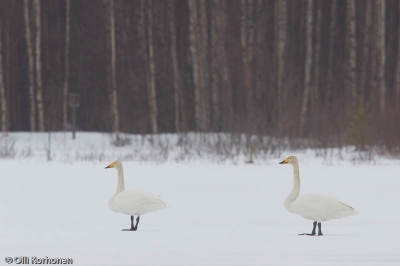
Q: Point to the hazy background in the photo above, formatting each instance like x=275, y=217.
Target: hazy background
x=319, y=73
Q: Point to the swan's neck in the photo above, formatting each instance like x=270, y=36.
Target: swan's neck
x=120, y=185
x=296, y=185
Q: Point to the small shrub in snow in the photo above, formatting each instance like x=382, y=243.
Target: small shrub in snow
x=124, y=140
x=7, y=146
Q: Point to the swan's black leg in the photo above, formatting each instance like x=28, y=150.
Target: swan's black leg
x=319, y=229
x=137, y=222
x=132, y=227
x=313, y=231
x=314, y=226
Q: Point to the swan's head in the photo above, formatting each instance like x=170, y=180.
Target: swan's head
x=290, y=160
x=116, y=164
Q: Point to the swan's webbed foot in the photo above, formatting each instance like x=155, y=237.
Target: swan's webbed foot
x=132, y=229
x=313, y=231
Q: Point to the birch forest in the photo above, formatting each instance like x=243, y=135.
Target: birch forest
x=327, y=71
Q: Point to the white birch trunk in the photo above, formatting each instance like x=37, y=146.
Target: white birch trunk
x=174, y=58
x=246, y=43
x=221, y=86
x=226, y=78
x=366, y=48
x=250, y=61
x=226, y=93
x=259, y=47
x=66, y=66
x=31, y=69
x=193, y=37
x=397, y=85
x=331, y=52
x=143, y=50
x=215, y=64
x=39, y=89
x=114, y=98
x=282, y=36
x=204, y=63
x=3, y=100
x=381, y=53
x=308, y=66
x=152, y=87
x=351, y=51
x=315, y=92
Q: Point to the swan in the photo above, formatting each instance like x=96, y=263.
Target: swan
x=132, y=202
x=313, y=206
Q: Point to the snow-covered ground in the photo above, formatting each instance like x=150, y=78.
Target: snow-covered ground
x=212, y=148
x=218, y=214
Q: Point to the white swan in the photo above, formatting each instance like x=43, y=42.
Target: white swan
x=313, y=206
x=132, y=202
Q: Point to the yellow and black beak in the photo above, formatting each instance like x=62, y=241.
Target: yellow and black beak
x=110, y=166
x=284, y=161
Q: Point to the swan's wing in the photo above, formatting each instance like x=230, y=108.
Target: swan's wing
x=137, y=202
x=323, y=207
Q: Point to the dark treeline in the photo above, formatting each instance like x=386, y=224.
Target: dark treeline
x=327, y=70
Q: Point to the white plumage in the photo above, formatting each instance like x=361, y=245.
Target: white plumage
x=132, y=202
x=313, y=206
x=135, y=202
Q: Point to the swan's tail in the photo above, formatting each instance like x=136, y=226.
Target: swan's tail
x=346, y=210
x=349, y=208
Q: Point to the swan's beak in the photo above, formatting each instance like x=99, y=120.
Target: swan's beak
x=110, y=166
x=284, y=161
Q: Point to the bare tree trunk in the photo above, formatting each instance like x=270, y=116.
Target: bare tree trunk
x=317, y=65
x=226, y=93
x=144, y=54
x=109, y=9
x=3, y=100
x=250, y=23
x=221, y=86
x=243, y=39
x=216, y=48
x=197, y=64
x=373, y=81
x=380, y=8
x=331, y=52
x=397, y=85
x=66, y=66
x=193, y=50
x=114, y=99
x=32, y=102
x=366, y=49
x=39, y=89
x=174, y=58
x=351, y=51
x=204, y=64
x=282, y=40
x=247, y=34
x=250, y=60
x=152, y=87
x=262, y=73
x=308, y=66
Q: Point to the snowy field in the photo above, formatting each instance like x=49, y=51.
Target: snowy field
x=218, y=214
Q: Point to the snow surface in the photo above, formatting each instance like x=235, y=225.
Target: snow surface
x=217, y=215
